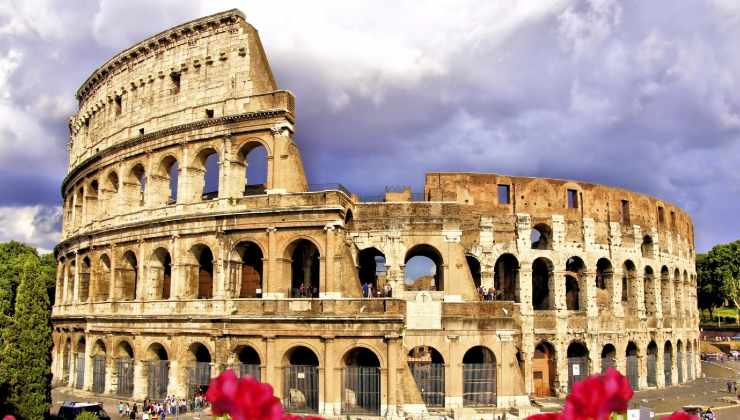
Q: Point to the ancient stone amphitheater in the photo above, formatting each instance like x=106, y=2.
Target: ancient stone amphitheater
x=174, y=266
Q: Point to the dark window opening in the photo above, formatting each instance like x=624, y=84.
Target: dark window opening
x=175, y=77
x=305, y=265
x=661, y=216
x=474, y=267
x=572, y=199
x=673, y=220
x=541, y=236
x=423, y=269
x=625, y=212
x=209, y=113
x=372, y=272
x=119, y=104
x=503, y=194
x=141, y=131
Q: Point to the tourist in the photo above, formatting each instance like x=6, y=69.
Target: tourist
x=387, y=290
x=120, y=408
x=132, y=415
x=364, y=289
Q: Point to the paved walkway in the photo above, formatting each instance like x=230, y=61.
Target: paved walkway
x=59, y=395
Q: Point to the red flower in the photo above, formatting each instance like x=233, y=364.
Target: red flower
x=8, y=417
x=680, y=415
x=243, y=398
x=597, y=396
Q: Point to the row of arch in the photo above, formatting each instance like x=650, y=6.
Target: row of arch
x=138, y=186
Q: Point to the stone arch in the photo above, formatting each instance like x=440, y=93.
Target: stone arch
x=169, y=173
x=248, y=361
x=206, y=185
x=136, y=184
x=84, y=288
x=255, y=156
x=301, y=355
x=544, y=369
x=474, y=268
x=128, y=276
x=157, y=368
x=428, y=261
x=156, y=352
x=160, y=268
x=604, y=283
x=479, y=376
x=124, y=349
x=608, y=357
x=361, y=356
x=649, y=291
x=78, y=199
x=578, y=362
x=70, y=280
x=427, y=366
x=202, y=272
x=91, y=199
x=652, y=364
x=678, y=292
x=371, y=270
x=668, y=363
x=360, y=381
x=679, y=361
x=249, y=269
x=632, y=354
x=666, y=297
x=506, y=277
x=305, y=268
x=66, y=360
x=543, y=286
x=575, y=285
x=647, y=247
x=102, y=279
x=301, y=379
x=629, y=286
x=79, y=362
x=541, y=236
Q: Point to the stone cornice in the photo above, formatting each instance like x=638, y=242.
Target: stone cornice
x=195, y=125
x=155, y=42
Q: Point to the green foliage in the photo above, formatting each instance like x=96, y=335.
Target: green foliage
x=12, y=254
x=26, y=344
x=719, y=276
x=87, y=416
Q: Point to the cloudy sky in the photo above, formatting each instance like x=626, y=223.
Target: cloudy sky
x=639, y=94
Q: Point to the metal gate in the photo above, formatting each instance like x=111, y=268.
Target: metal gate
x=361, y=390
x=608, y=362
x=652, y=370
x=301, y=388
x=577, y=370
x=668, y=368
x=430, y=379
x=633, y=371
x=125, y=375
x=199, y=376
x=98, y=385
x=249, y=370
x=679, y=365
x=80, y=370
x=65, y=367
x=158, y=379
x=479, y=384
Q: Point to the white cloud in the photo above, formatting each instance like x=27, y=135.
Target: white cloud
x=37, y=226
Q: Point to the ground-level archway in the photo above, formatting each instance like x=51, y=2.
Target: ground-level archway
x=249, y=362
x=608, y=357
x=652, y=364
x=361, y=383
x=428, y=368
x=157, y=367
x=479, y=377
x=124, y=369
x=633, y=365
x=199, y=370
x=301, y=381
x=578, y=365
x=544, y=370
x=668, y=363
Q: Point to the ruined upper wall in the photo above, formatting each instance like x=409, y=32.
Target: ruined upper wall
x=206, y=68
x=543, y=197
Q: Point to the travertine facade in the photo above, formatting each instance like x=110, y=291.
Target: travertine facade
x=165, y=279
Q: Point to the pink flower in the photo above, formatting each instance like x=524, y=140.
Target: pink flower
x=597, y=396
x=243, y=398
x=8, y=417
x=680, y=415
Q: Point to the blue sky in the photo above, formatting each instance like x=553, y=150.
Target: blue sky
x=642, y=95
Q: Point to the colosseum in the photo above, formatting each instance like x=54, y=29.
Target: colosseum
x=175, y=264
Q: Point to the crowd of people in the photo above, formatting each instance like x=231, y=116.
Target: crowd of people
x=370, y=291
x=159, y=410
x=305, y=292
x=484, y=294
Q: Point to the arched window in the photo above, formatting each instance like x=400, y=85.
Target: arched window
x=204, y=258
x=91, y=201
x=679, y=361
x=254, y=156
x=423, y=268
x=128, y=276
x=66, y=361
x=541, y=236
x=158, y=371
x=102, y=279
x=305, y=269
x=70, y=281
x=109, y=193
x=474, y=268
x=575, y=298
x=666, y=297
x=371, y=271
x=124, y=369
x=208, y=160
x=137, y=179
x=80, y=364
x=99, y=367
x=251, y=270
x=506, y=278
x=79, y=197
x=161, y=273
x=249, y=362
x=578, y=366
x=649, y=290
x=629, y=273
x=633, y=365
x=361, y=383
x=647, y=246
x=544, y=369
x=170, y=171
x=604, y=278
x=479, y=377
x=542, y=284
x=301, y=380
x=428, y=369
x=668, y=363
x=84, y=290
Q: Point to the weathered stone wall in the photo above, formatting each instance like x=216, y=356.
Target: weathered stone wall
x=152, y=270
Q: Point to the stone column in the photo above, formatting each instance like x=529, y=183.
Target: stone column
x=113, y=286
x=642, y=364
x=393, y=351
x=561, y=362
x=525, y=287
x=640, y=295
x=454, y=375
x=142, y=285
x=616, y=293
x=272, y=367
x=270, y=281
x=558, y=290
x=592, y=310
x=76, y=284
x=330, y=399
x=659, y=370
x=178, y=380
x=140, y=380
x=110, y=374
x=328, y=284
x=89, y=347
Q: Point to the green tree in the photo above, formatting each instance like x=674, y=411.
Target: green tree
x=709, y=288
x=24, y=367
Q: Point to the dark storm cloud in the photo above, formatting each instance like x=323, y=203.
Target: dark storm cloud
x=643, y=95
